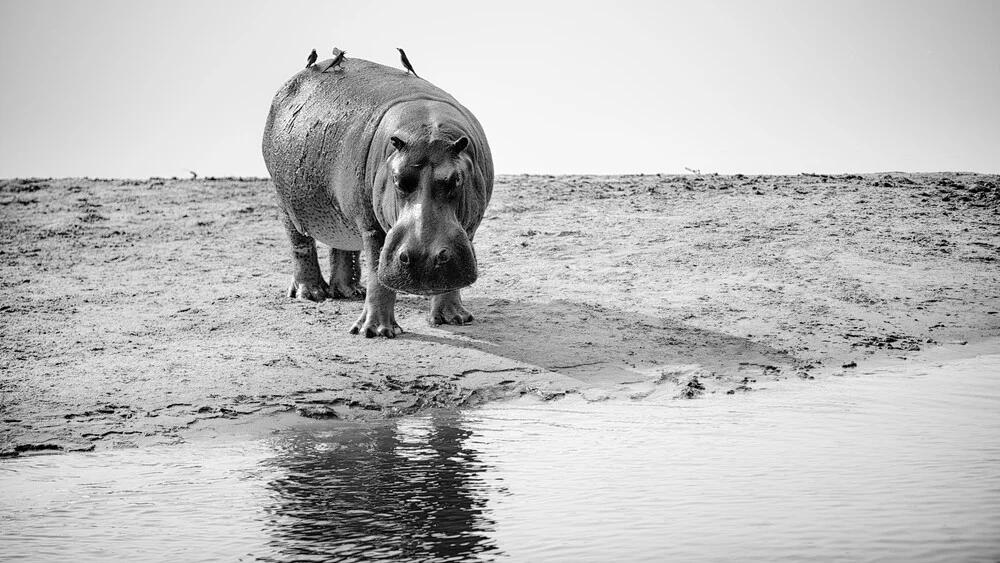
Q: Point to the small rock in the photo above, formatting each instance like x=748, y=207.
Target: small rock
x=317, y=411
x=595, y=395
x=692, y=389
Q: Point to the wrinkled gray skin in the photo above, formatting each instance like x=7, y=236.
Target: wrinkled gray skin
x=368, y=158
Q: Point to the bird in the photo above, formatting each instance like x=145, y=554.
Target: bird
x=339, y=58
x=406, y=62
x=312, y=59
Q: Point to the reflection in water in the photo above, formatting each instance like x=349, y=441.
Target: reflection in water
x=410, y=491
x=898, y=465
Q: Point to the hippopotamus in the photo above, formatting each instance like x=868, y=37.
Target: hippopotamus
x=365, y=157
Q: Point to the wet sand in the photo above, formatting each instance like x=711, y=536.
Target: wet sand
x=140, y=312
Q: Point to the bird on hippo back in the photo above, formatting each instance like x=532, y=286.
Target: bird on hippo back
x=375, y=160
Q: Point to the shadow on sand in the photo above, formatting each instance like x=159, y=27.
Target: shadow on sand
x=596, y=344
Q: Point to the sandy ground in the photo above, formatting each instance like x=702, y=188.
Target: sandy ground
x=136, y=312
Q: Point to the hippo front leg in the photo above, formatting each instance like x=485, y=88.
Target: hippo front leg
x=447, y=308
x=307, y=280
x=378, y=317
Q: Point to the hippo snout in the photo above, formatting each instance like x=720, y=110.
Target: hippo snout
x=411, y=265
x=441, y=257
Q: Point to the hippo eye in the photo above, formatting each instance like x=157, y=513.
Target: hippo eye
x=449, y=186
x=406, y=183
x=456, y=182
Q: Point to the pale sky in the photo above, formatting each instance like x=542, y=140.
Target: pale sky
x=135, y=89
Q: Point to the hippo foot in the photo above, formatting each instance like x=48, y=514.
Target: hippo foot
x=448, y=309
x=347, y=291
x=345, y=274
x=309, y=291
x=372, y=324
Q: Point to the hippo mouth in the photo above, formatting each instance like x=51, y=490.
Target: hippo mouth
x=425, y=274
x=427, y=266
x=420, y=291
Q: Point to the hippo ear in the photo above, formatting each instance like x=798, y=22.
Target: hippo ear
x=459, y=145
x=397, y=142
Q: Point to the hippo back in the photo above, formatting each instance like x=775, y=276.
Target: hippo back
x=318, y=142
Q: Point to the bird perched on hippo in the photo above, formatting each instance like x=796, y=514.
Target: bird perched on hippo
x=406, y=62
x=374, y=160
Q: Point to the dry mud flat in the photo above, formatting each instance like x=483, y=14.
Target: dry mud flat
x=136, y=312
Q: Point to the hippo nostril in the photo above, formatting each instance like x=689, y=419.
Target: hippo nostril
x=442, y=256
x=404, y=257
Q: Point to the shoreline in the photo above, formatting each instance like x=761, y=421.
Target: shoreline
x=139, y=311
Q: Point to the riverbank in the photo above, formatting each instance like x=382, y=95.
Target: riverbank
x=136, y=311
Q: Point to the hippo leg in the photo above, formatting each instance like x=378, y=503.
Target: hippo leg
x=447, y=308
x=378, y=317
x=307, y=280
x=345, y=274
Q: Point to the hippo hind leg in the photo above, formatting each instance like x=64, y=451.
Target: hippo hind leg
x=345, y=274
x=307, y=280
x=447, y=308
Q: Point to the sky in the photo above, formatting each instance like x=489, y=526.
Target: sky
x=128, y=89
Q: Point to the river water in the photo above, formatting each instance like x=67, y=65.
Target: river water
x=899, y=464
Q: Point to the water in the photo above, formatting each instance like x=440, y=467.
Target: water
x=883, y=466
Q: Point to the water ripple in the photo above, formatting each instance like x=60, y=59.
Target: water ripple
x=880, y=466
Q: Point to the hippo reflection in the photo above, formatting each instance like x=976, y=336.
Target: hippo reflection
x=408, y=491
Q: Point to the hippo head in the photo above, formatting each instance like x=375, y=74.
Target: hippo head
x=432, y=206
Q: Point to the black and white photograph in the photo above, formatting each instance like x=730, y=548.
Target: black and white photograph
x=451, y=281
